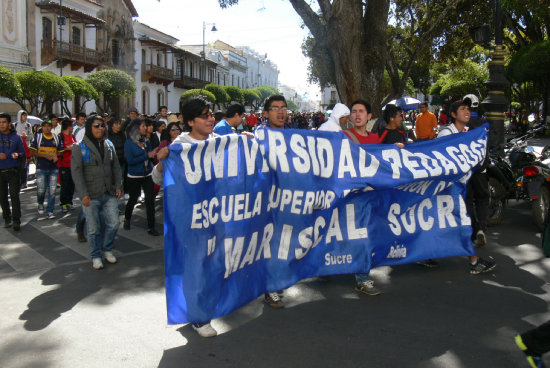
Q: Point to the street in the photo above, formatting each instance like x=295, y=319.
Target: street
x=59, y=312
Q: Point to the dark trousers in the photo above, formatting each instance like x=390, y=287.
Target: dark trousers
x=23, y=170
x=9, y=183
x=537, y=340
x=477, y=201
x=134, y=189
x=67, y=186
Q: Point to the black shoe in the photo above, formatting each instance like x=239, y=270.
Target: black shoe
x=126, y=224
x=153, y=232
x=428, y=263
x=81, y=238
x=8, y=223
x=16, y=226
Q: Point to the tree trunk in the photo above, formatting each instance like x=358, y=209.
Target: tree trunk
x=359, y=57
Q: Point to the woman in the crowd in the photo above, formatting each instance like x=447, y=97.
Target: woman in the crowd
x=118, y=138
x=169, y=134
x=139, y=156
x=151, y=133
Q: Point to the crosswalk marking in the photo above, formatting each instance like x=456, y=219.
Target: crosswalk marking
x=20, y=256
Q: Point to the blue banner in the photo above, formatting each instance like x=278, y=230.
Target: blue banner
x=247, y=216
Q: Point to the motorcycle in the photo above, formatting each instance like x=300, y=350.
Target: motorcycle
x=536, y=180
x=507, y=177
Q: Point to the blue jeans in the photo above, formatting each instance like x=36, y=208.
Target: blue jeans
x=101, y=210
x=80, y=221
x=46, y=180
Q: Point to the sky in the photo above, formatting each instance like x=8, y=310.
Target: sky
x=267, y=26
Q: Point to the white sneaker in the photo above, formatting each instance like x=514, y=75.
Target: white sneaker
x=97, y=264
x=480, y=239
x=110, y=257
x=40, y=209
x=205, y=330
x=51, y=215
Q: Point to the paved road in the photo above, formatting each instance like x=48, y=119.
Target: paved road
x=58, y=312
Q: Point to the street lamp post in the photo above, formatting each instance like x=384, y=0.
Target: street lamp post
x=214, y=29
x=495, y=103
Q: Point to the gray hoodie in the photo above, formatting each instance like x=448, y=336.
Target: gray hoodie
x=23, y=128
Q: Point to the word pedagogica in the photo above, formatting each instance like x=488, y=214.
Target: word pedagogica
x=247, y=216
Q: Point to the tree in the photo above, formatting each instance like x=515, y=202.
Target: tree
x=532, y=64
x=292, y=106
x=9, y=85
x=81, y=89
x=193, y=93
x=111, y=84
x=252, y=97
x=41, y=90
x=235, y=93
x=219, y=93
x=354, y=62
x=459, y=80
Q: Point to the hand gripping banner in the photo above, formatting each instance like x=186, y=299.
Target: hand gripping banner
x=247, y=216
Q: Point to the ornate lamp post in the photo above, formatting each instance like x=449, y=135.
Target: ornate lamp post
x=203, y=55
x=495, y=103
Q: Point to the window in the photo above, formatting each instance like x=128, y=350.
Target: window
x=76, y=36
x=143, y=56
x=160, y=100
x=145, y=100
x=179, y=69
x=115, y=52
x=158, y=58
x=46, y=29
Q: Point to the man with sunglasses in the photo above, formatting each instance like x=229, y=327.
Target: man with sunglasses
x=98, y=182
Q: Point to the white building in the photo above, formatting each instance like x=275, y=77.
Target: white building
x=260, y=70
x=155, y=60
x=329, y=98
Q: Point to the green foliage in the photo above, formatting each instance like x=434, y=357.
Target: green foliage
x=42, y=89
x=219, y=93
x=291, y=105
x=265, y=91
x=235, y=93
x=531, y=63
x=80, y=87
x=469, y=77
x=193, y=93
x=9, y=85
x=387, y=84
x=112, y=83
x=251, y=95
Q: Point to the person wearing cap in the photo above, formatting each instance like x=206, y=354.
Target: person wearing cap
x=426, y=124
x=46, y=147
x=477, y=191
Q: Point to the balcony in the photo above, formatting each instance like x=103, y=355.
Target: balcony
x=156, y=74
x=75, y=55
x=186, y=82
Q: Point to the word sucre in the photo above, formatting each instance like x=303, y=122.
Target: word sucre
x=315, y=155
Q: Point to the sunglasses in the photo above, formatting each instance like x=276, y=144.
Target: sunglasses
x=207, y=115
x=99, y=125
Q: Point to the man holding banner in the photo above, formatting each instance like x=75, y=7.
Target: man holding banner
x=198, y=115
x=460, y=112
